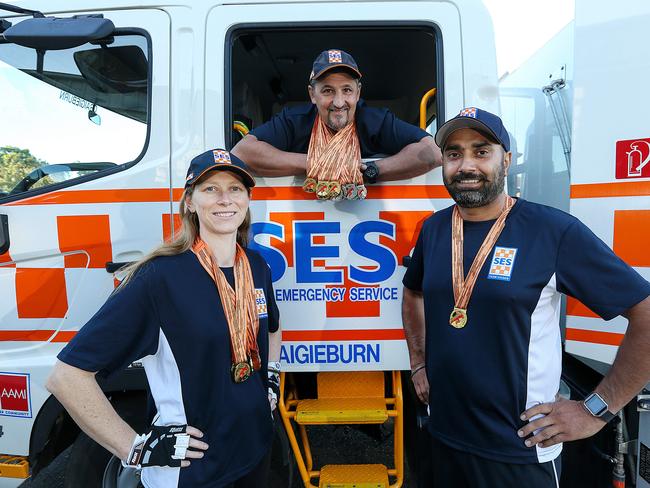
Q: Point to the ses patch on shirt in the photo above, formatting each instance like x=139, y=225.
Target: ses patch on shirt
x=502, y=264
x=260, y=303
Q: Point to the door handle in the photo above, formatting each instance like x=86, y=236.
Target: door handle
x=4, y=233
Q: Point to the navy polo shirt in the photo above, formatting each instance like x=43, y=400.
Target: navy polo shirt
x=508, y=357
x=379, y=131
x=170, y=317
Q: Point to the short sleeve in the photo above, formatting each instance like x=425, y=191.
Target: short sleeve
x=395, y=134
x=415, y=271
x=124, y=330
x=587, y=269
x=276, y=132
x=272, y=306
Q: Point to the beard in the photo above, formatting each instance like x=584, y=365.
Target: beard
x=336, y=123
x=486, y=194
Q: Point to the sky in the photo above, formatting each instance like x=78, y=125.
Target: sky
x=521, y=27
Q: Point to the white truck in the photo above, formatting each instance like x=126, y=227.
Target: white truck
x=95, y=137
x=101, y=114
x=576, y=111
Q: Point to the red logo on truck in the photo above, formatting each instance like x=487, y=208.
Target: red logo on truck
x=633, y=159
x=14, y=395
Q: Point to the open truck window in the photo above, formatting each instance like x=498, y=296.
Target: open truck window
x=71, y=114
x=269, y=68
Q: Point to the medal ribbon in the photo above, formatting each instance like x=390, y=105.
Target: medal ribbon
x=463, y=286
x=334, y=156
x=238, y=304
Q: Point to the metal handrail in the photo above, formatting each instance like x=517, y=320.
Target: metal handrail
x=423, y=107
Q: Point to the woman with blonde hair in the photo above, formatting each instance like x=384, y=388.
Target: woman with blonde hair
x=199, y=313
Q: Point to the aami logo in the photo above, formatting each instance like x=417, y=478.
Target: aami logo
x=632, y=158
x=14, y=395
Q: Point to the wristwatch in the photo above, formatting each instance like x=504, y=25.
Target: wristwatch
x=371, y=173
x=596, y=406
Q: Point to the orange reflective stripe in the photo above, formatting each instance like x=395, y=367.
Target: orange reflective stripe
x=342, y=335
x=594, y=336
x=90, y=233
x=41, y=293
x=97, y=196
x=138, y=195
x=631, y=236
x=578, y=309
x=617, y=189
x=36, y=335
x=167, y=225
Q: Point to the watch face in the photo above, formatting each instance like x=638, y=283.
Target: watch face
x=595, y=404
x=371, y=171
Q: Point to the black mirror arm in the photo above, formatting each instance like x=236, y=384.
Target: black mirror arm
x=20, y=10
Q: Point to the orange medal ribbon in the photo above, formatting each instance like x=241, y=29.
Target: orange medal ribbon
x=239, y=308
x=463, y=286
x=333, y=160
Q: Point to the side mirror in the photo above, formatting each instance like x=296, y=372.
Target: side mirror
x=53, y=33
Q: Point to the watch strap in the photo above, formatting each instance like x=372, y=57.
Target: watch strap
x=607, y=416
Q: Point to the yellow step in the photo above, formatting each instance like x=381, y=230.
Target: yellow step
x=341, y=411
x=354, y=476
x=13, y=466
x=345, y=398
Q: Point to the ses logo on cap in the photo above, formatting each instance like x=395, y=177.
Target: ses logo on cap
x=503, y=261
x=468, y=112
x=334, y=56
x=260, y=303
x=221, y=156
x=15, y=395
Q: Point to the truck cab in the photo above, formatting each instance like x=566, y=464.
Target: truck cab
x=99, y=129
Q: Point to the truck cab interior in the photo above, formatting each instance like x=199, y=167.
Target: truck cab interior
x=270, y=68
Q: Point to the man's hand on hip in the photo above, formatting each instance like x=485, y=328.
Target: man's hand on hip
x=563, y=420
x=421, y=384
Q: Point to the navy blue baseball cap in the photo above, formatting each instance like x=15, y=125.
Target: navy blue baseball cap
x=331, y=59
x=477, y=119
x=217, y=159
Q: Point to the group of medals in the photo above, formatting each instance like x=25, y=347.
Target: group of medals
x=335, y=190
x=334, y=163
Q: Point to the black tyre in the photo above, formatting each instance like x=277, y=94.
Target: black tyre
x=86, y=464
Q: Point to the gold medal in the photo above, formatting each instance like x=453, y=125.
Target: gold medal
x=463, y=286
x=323, y=190
x=241, y=371
x=310, y=185
x=458, y=318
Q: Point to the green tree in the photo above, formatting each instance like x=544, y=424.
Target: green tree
x=15, y=164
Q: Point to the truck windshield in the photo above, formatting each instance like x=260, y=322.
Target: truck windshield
x=73, y=112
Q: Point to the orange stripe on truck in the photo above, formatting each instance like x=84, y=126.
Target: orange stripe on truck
x=138, y=195
x=617, y=189
x=594, y=336
x=578, y=309
x=342, y=335
x=287, y=335
x=631, y=236
x=36, y=335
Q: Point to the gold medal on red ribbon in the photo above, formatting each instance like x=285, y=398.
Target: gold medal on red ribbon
x=458, y=318
x=463, y=286
x=310, y=185
x=241, y=371
x=240, y=309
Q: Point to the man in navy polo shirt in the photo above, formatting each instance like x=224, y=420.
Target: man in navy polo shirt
x=481, y=315
x=279, y=147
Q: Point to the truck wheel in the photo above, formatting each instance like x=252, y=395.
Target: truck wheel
x=115, y=476
x=87, y=463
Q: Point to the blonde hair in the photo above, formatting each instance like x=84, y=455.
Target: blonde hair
x=185, y=238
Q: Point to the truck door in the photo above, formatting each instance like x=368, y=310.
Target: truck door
x=84, y=184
